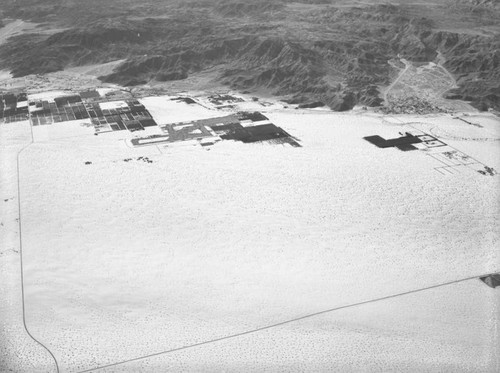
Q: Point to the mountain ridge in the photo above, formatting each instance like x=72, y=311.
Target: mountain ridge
x=305, y=50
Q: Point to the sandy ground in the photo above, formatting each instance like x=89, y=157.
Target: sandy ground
x=390, y=336
x=126, y=259
x=18, y=27
x=7, y=82
x=5, y=75
x=95, y=70
x=164, y=110
x=18, y=352
x=204, y=80
x=14, y=28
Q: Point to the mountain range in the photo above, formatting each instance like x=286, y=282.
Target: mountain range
x=333, y=52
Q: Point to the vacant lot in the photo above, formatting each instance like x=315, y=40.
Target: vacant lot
x=125, y=259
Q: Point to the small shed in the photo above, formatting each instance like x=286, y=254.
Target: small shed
x=492, y=280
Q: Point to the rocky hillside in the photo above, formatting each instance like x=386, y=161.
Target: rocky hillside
x=475, y=62
x=478, y=5
x=308, y=50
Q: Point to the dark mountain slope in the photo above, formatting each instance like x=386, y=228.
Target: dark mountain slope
x=242, y=8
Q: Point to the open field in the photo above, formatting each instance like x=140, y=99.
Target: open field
x=152, y=220
x=391, y=336
x=127, y=259
x=18, y=352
